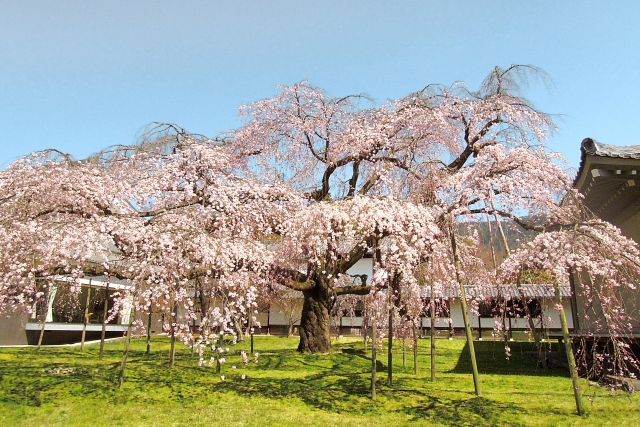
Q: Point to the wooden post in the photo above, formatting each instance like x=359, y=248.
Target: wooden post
x=432, y=306
x=174, y=321
x=86, y=315
x=363, y=326
x=390, y=348
x=43, y=317
x=105, y=310
x=569, y=350
x=373, y=357
x=42, y=325
x=415, y=350
x=149, y=333
x=465, y=316
x=125, y=353
x=404, y=351
x=252, y=353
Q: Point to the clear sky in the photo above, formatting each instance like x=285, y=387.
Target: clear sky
x=81, y=75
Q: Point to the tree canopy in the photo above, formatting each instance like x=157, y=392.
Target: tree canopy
x=307, y=187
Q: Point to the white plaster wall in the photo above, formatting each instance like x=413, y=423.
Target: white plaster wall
x=277, y=317
x=351, y=321
x=550, y=315
x=441, y=322
x=363, y=266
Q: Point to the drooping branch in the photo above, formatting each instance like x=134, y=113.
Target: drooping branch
x=470, y=148
x=291, y=278
x=353, y=290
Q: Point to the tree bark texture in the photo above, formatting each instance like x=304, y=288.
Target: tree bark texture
x=315, y=323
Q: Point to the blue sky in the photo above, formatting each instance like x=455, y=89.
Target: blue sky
x=79, y=76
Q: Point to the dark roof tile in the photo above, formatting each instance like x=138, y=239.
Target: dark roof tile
x=595, y=148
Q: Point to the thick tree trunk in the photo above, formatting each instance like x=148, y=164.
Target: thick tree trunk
x=315, y=323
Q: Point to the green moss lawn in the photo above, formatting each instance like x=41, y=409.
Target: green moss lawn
x=66, y=387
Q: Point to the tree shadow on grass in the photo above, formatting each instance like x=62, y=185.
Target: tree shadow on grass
x=477, y=411
x=350, y=394
x=491, y=359
x=337, y=383
x=35, y=384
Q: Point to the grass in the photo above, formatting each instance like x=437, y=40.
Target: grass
x=66, y=387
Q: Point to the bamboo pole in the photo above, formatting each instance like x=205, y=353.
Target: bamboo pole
x=465, y=316
x=569, y=350
x=105, y=310
x=373, y=357
x=415, y=350
x=149, y=332
x=432, y=304
x=174, y=321
x=86, y=316
x=44, y=313
x=125, y=353
x=404, y=350
x=390, y=349
x=43, y=320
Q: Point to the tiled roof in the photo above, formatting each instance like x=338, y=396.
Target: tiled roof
x=594, y=148
x=591, y=147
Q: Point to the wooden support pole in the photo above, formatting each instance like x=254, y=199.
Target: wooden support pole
x=86, y=316
x=569, y=350
x=432, y=305
x=404, y=351
x=415, y=350
x=174, y=321
x=105, y=311
x=149, y=332
x=465, y=316
x=390, y=349
x=125, y=353
x=373, y=357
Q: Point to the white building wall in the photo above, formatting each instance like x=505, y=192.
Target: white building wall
x=277, y=316
x=549, y=313
x=354, y=322
x=363, y=266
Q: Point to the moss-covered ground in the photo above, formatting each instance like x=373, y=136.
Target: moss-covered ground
x=63, y=386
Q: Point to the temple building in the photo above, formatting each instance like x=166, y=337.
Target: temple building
x=609, y=179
